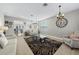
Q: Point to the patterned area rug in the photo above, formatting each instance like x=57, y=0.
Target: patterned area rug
x=46, y=47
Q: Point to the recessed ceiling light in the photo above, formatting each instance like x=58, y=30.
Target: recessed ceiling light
x=45, y=4
x=31, y=15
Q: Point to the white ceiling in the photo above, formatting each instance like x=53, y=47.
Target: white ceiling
x=33, y=11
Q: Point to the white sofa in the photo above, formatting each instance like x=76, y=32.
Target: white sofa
x=73, y=43
x=10, y=48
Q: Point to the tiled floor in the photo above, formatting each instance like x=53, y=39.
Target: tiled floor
x=22, y=47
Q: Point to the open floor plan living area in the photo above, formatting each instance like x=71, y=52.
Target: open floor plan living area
x=39, y=28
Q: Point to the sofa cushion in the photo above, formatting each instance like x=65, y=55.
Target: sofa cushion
x=3, y=40
x=10, y=48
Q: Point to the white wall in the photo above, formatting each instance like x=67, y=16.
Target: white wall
x=1, y=19
x=48, y=26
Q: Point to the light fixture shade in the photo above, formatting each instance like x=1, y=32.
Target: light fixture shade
x=62, y=14
x=57, y=15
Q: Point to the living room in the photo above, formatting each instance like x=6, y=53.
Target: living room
x=39, y=29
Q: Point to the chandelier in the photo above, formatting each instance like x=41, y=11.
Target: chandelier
x=61, y=20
